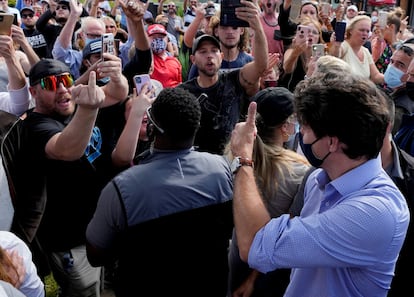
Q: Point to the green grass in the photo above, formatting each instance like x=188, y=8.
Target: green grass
x=51, y=286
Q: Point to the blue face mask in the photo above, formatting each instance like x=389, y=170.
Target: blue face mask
x=392, y=77
x=158, y=45
x=308, y=152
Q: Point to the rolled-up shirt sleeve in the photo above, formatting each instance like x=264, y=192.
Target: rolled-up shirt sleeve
x=15, y=101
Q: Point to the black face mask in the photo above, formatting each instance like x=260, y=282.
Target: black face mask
x=409, y=86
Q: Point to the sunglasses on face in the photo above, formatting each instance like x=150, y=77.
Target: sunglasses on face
x=25, y=16
x=63, y=7
x=52, y=83
x=152, y=120
x=110, y=27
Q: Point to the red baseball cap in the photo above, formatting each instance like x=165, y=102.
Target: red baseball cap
x=156, y=28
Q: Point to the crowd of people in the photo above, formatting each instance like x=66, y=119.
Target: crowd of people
x=247, y=164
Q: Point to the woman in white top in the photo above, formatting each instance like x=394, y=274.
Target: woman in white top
x=353, y=52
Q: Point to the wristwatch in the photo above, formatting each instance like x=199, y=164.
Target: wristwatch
x=239, y=162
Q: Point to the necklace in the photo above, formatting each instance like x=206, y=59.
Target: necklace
x=270, y=25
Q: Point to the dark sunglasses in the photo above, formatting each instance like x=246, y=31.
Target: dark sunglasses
x=52, y=83
x=25, y=16
x=110, y=26
x=152, y=121
x=63, y=7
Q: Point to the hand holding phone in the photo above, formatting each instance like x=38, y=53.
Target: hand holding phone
x=108, y=44
x=140, y=80
x=318, y=50
x=340, y=31
x=302, y=33
x=6, y=21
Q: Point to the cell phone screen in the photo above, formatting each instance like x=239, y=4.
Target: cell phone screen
x=340, y=31
x=228, y=14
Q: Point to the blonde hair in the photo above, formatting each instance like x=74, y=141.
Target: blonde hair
x=355, y=21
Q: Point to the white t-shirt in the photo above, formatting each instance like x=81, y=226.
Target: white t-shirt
x=358, y=68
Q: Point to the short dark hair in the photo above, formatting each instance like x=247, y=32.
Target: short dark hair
x=178, y=113
x=351, y=108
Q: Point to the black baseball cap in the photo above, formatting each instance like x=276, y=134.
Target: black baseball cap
x=274, y=104
x=45, y=68
x=205, y=37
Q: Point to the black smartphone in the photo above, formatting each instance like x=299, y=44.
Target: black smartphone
x=228, y=14
x=277, y=35
x=340, y=31
x=15, y=20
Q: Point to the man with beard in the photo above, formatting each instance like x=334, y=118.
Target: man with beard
x=175, y=23
x=227, y=93
x=33, y=36
x=58, y=12
x=233, y=44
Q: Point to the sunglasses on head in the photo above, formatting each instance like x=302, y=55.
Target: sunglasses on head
x=63, y=7
x=52, y=83
x=29, y=15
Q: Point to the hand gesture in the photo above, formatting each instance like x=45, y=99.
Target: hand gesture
x=140, y=102
x=18, y=35
x=133, y=10
x=76, y=8
x=111, y=67
x=249, y=12
x=89, y=96
x=244, y=134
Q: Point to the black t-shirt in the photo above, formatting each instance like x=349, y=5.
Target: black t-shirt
x=38, y=43
x=73, y=187
x=226, y=105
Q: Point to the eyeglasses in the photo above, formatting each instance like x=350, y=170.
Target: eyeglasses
x=93, y=36
x=110, y=27
x=63, y=7
x=152, y=121
x=25, y=16
x=52, y=83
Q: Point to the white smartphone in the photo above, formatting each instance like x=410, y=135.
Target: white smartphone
x=302, y=32
x=382, y=19
x=318, y=50
x=108, y=44
x=140, y=80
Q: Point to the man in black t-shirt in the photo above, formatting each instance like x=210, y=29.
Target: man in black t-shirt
x=33, y=36
x=228, y=93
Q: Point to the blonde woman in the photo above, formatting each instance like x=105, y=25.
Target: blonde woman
x=279, y=173
x=352, y=49
x=297, y=57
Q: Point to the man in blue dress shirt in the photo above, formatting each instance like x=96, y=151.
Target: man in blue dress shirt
x=348, y=236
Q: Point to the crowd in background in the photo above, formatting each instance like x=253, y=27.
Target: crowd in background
x=110, y=189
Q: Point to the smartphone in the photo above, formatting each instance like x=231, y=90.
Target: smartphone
x=340, y=31
x=15, y=22
x=335, y=4
x=228, y=14
x=382, y=19
x=140, y=80
x=6, y=21
x=302, y=32
x=318, y=50
x=108, y=44
x=326, y=8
